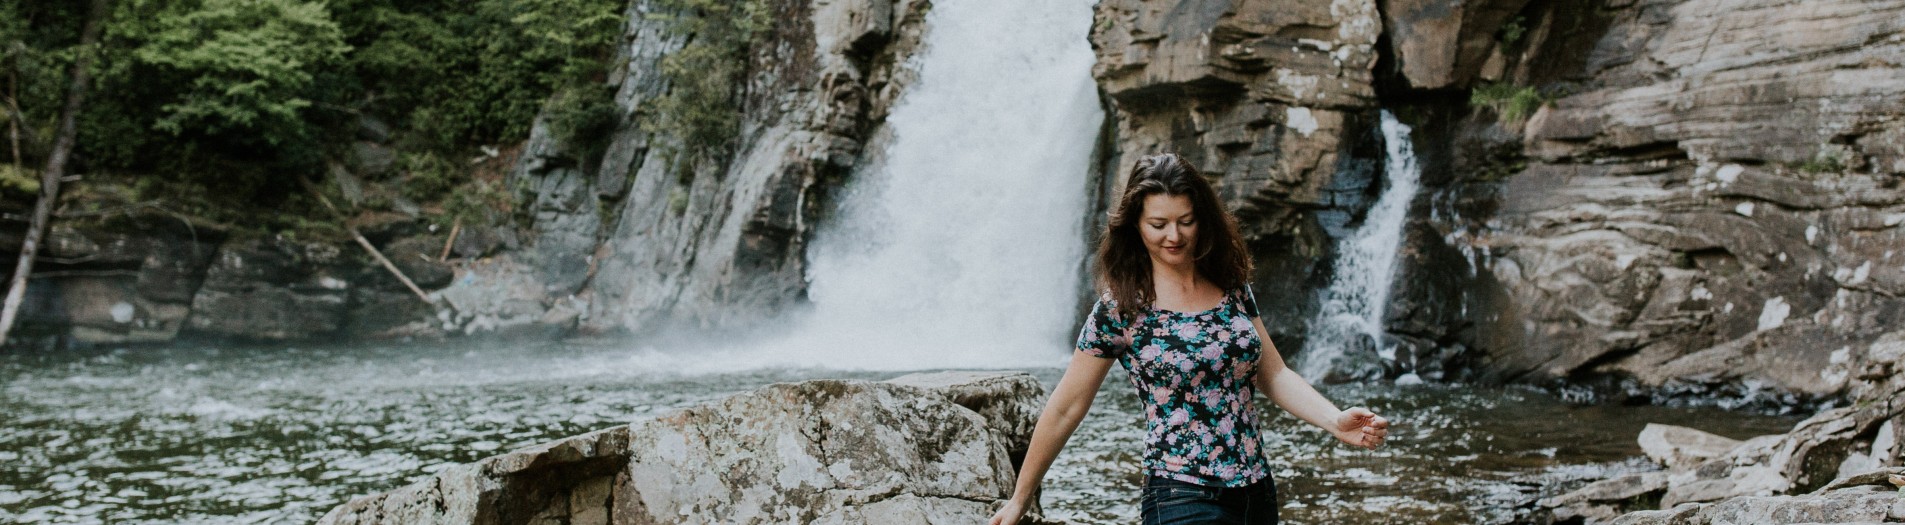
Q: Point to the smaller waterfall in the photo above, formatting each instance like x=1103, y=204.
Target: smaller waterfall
x=1351, y=317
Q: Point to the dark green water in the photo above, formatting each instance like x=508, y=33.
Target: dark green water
x=281, y=435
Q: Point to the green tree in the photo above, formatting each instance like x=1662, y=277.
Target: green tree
x=462, y=73
x=249, y=63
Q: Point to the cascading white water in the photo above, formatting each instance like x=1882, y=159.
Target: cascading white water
x=1353, y=304
x=962, y=248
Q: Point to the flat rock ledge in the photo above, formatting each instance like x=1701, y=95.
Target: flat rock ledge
x=934, y=448
x=1835, y=467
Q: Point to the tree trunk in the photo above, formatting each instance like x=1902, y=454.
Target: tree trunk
x=13, y=110
x=63, y=142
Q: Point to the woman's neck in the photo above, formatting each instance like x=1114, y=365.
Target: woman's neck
x=1180, y=277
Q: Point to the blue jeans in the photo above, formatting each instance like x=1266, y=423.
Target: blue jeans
x=1172, y=502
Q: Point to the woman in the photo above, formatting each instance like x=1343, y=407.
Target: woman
x=1179, y=315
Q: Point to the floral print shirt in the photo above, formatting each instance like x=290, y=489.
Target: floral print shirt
x=1195, y=377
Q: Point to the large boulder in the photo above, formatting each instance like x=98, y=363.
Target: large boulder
x=1867, y=498
x=823, y=451
x=1681, y=447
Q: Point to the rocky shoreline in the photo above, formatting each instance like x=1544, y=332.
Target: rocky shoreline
x=1837, y=466
x=931, y=448
x=943, y=448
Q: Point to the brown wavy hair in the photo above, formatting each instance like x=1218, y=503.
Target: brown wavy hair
x=1124, y=267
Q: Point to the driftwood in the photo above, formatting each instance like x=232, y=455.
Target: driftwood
x=361, y=241
x=455, y=228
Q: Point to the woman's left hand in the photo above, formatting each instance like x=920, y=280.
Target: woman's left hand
x=1358, y=426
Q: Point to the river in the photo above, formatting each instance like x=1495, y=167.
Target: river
x=280, y=435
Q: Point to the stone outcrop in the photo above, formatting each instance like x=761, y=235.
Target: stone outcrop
x=1809, y=474
x=923, y=449
x=716, y=242
x=1867, y=498
x=1682, y=447
x=134, y=281
x=144, y=276
x=1706, y=200
x=1699, y=195
x=1273, y=98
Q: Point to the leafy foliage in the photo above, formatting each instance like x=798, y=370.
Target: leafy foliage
x=242, y=66
x=583, y=116
x=702, y=106
x=1829, y=158
x=458, y=72
x=226, y=101
x=1511, y=103
x=1512, y=31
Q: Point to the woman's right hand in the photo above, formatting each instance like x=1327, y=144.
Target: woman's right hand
x=1009, y=513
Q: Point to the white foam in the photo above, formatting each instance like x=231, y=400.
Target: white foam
x=1366, y=264
x=963, y=249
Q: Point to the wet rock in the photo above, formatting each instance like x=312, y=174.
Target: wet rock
x=536, y=482
x=813, y=452
x=1833, y=458
x=273, y=290
x=386, y=314
x=1604, y=500
x=1009, y=403
x=416, y=257
x=476, y=242
x=499, y=296
x=1861, y=499
x=818, y=451
x=1682, y=447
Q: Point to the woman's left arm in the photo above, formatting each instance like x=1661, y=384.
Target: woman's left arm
x=1356, y=426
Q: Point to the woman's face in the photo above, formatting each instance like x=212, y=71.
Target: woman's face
x=1169, y=228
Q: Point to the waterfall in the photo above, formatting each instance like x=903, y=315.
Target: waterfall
x=1352, y=313
x=962, y=248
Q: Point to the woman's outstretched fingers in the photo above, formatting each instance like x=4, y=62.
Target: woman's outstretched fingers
x=1367, y=429
x=1378, y=428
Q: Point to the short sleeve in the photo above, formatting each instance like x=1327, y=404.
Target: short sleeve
x=1106, y=334
x=1250, y=302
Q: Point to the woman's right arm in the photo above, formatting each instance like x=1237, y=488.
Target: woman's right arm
x=1067, y=406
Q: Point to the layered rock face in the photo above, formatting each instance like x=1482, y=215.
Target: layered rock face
x=714, y=243
x=1271, y=98
x=1709, y=199
x=1698, y=194
x=1834, y=467
x=148, y=277
x=921, y=449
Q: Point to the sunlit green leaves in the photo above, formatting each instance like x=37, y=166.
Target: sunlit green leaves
x=248, y=62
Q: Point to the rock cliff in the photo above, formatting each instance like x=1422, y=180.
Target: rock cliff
x=646, y=238
x=1708, y=198
x=920, y=449
x=1697, y=195
x=1274, y=99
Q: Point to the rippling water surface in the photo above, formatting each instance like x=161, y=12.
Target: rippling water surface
x=269, y=435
